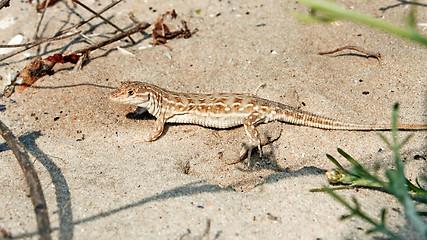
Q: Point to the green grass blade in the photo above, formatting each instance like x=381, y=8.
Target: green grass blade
x=384, y=138
x=349, y=158
x=332, y=159
x=332, y=10
x=405, y=140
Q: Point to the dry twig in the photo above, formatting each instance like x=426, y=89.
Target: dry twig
x=368, y=53
x=39, y=67
x=130, y=31
x=36, y=193
x=38, y=42
x=133, y=18
x=104, y=19
x=89, y=19
x=11, y=54
x=4, y=3
x=58, y=36
x=40, y=21
x=33, y=44
x=82, y=59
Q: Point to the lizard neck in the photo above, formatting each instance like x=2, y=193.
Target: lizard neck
x=154, y=105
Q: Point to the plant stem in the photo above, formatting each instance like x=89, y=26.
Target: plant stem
x=336, y=11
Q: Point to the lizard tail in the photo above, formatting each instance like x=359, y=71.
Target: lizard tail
x=302, y=118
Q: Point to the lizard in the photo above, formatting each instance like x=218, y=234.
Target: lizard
x=227, y=110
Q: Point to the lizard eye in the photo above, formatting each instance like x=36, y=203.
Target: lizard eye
x=130, y=92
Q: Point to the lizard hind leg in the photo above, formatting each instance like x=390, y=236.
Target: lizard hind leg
x=269, y=134
x=246, y=152
x=249, y=124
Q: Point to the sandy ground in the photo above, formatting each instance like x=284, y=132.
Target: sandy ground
x=101, y=183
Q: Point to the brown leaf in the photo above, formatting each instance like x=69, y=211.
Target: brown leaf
x=162, y=32
x=43, y=4
x=38, y=68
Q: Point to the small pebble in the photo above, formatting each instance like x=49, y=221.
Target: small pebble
x=168, y=54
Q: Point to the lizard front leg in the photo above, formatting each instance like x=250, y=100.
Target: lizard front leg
x=159, y=126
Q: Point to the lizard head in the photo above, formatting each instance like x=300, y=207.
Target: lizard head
x=133, y=93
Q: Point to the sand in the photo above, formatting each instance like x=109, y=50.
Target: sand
x=101, y=182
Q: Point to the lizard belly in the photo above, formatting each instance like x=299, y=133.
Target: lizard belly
x=215, y=122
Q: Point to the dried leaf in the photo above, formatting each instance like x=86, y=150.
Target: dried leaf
x=162, y=32
x=43, y=4
x=37, y=69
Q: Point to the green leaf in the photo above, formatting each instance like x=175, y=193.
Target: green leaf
x=383, y=213
x=396, y=185
x=410, y=18
x=384, y=138
x=349, y=158
x=405, y=140
x=332, y=159
x=304, y=18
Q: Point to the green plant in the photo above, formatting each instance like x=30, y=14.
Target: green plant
x=395, y=184
x=326, y=11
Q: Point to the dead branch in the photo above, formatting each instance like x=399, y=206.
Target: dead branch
x=40, y=21
x=104, y=19
x=39, y=67
x=133, y=18
x=38, y=42
x=368, y=53
x=89, y=19
x=36, y=193
x=4, y=3
x=130, y=31
x=33, y=44
x=11, y=54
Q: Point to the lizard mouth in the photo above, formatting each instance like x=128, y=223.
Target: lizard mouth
x=112, y=96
